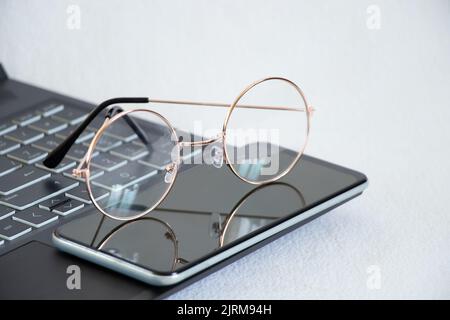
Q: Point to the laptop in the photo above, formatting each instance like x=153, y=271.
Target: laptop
x=33, y=121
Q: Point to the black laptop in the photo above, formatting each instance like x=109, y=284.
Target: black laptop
x=33, y=121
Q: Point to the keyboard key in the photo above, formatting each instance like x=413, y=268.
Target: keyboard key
x=130, y=151
x=156, y=160
x=49, y=108
x=35, y=217
x=27, y=118
x=121, y=131
x=108, y=162
x=21, y=178
x=69, y=207
x=7, y=127
x=80, y=193
x=70, y=115
x=158, y=141
x=48, y=125
x=10, y=229
x=27, y=154
x=65, y=164
x=25, y=135
x=38, y=192
x=54, y=202
x=8, y=165
x=7, y=145
x=127, y=176
x=77, y=152
x=105, y=143
x=94, y=173
x=85, y=135
x=47, y=143
x=6, y=212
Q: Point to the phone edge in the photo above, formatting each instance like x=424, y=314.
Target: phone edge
x=152, y=278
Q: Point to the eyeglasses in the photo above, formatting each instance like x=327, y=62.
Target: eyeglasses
x=264, y=134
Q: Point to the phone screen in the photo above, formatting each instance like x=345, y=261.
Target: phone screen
x=209, y=210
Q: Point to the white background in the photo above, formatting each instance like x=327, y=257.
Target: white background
x=382, y=96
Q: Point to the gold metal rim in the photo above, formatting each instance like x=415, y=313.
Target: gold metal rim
x=94, y=141
x=302, y=149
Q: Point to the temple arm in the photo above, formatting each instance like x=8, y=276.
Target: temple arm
x=55, y=157
x=225, y=105
x=131, y=123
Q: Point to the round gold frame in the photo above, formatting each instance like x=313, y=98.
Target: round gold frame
x=233, y=106
x=93, y=144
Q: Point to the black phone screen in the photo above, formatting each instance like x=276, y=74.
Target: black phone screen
x=209, y=210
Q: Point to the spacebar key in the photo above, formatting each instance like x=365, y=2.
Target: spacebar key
x=38, y=192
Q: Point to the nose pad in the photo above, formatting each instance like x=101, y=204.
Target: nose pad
x=217, y=156
x=170, y=173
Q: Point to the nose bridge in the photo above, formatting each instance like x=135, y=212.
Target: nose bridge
x=201, y=142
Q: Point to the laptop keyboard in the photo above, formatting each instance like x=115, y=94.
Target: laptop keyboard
x=33, y=196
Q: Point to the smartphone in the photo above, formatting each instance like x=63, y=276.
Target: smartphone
x=209, y=219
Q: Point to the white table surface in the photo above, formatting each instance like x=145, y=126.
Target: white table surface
x=383, y=98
